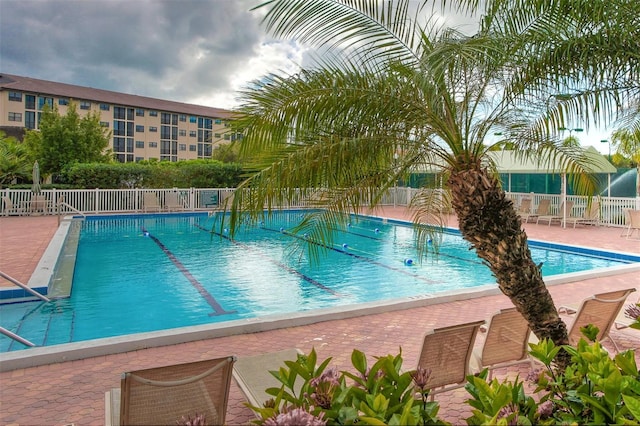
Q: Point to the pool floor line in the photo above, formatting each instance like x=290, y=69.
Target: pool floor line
x=275, y=262
x=218, y=309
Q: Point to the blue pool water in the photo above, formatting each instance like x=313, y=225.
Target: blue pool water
x=142, y=273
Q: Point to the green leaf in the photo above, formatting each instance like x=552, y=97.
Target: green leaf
x=633, y=405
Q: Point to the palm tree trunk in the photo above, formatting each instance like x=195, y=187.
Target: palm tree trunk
x=488, y=220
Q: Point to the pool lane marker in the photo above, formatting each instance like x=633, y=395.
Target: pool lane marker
x=357, y=256
x=218, y=309
x=275, y=262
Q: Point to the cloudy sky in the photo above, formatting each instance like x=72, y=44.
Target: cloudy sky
x=194, y=51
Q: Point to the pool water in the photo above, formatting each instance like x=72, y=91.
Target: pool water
x=144, y=273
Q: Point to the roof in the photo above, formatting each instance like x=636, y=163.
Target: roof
x=512, y=162
x=51, y=88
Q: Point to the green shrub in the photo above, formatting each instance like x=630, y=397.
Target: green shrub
x=593, y=389
x=376, y=395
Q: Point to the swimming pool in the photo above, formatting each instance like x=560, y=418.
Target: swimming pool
x=139, y=274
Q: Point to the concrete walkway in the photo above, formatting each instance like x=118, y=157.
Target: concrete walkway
x=73, y=392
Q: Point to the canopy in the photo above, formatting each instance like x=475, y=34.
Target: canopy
x=510, y=162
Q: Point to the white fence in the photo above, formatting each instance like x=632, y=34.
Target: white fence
x=104, y=201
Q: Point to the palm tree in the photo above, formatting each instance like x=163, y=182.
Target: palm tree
x=391, y=96
x=15, y=162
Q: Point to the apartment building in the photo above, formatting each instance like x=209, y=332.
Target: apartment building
x=141, y=128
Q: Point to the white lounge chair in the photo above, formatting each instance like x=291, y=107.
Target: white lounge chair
x=252, y=373
x=591, y=216
x=10, y=208
x=150, y=202
x=172, y=202
x=543, y=209
x=559, y=217
x=633, y=221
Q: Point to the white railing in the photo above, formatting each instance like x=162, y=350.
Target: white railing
x=104, y=201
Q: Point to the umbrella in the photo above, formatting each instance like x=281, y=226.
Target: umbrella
x=35, y=188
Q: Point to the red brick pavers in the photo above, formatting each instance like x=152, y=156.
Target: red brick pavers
x=73, y=392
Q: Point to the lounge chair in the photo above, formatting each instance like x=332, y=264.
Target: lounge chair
x=10, y=208
x=163, y=395
x=253, y=374
x=446, y=352
x=150, y=202
x=543, y=209
x=591, y=216
x=505, y=344
x=525, y=206
x=633, y=221
x=600, y=310
x=172, y=202
x=556, y=217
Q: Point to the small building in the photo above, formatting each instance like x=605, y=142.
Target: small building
x=141, y=128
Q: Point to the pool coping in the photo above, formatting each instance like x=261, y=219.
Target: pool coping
x=112, y=345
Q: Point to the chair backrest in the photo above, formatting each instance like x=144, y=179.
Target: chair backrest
x=163, y=395
x=171, y=199
x=634, y=219
x=8, y=204
x=506, y=340
x=446, y=352
x=543, y=207
x=593, y=211
x=600, y=310
x=150, y=199
x=525, y=205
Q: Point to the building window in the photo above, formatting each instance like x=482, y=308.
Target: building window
x=193, y=119
x=226, y=137
x=218, y=121
x=217, y=135
x=182, y=132
x=15, y=96
x=165, y=118
x=153, y=129
x=192, y=148
x=43, y=100
x=139, y=144
x=15, y=116
x=104, y=107
x=85, y=105
x=29, y=102
x=139, y=128
x=104, y=124
x=192, y=133
x=63, y=101
x=138, y=159
x=153, y=113
x=139, y=112
x=183, y=117
x=30, y=119
x=153, y=144
x=183, y=147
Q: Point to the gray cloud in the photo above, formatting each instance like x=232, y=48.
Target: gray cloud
x=173, y=49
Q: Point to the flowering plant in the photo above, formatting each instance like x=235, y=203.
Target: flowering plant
x=633, y=312
x=592, y=389
x=316, y=394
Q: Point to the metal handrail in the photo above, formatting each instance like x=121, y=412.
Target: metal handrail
x=70, y=207
x=16, y=337
x=25, y=287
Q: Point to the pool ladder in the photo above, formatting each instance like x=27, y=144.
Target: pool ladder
x=29, y=290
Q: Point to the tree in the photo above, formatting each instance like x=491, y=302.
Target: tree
x=15, y=162
x=396, y=96
x=68, y=139
x=627, y=143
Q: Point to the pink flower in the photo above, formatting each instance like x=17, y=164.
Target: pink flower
x=296, y=417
